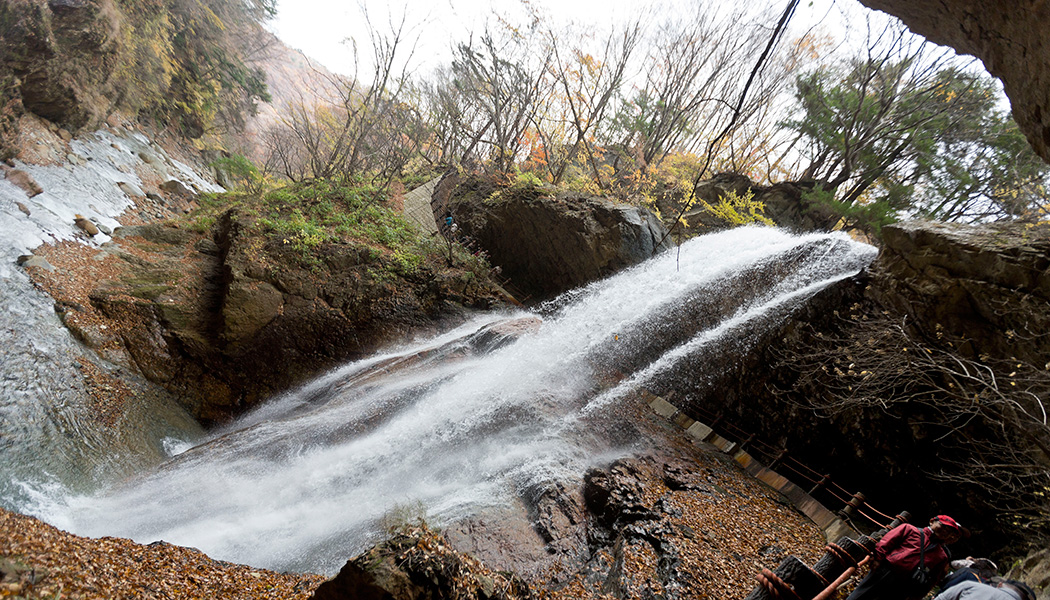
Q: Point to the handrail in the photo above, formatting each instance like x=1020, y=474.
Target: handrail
x=854, y=503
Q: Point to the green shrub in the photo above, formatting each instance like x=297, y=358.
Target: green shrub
x=304, y=217
x=241, y=170
x=737, y=210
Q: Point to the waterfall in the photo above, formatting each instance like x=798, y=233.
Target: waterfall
x=303, y=482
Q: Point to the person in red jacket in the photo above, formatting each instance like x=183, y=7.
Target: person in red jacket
x=902, y=552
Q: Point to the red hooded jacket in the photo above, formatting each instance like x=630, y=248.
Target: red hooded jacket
x=900, y=549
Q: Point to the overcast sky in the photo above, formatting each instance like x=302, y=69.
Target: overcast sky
x=319, y=27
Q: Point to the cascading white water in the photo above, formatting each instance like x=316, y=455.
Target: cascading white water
x=301, y=482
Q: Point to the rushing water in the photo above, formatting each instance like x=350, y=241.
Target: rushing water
x=302, y=482
x=48, y=432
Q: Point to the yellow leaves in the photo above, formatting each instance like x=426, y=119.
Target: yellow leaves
x=213, y=18
x=739, y=210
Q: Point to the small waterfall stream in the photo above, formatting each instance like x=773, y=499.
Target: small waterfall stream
x=48, y=434
x=302, y=482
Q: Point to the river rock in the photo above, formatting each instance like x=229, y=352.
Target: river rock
x=419, y=564
x=131, y=189
x=85, y=225
x=31, y=261
x=500, y=334
x=151, y=159
x=174, y=186
x=23, y=180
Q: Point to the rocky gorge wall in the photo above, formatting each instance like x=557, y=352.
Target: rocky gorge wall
x=988, y=286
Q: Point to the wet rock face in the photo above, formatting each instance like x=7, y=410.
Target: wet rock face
x=986, y=285
x=1011, y=42
x=658, y=528
x=547, y=245
x=211, y=316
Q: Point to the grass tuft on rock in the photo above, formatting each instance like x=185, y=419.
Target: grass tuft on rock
x=304, y=217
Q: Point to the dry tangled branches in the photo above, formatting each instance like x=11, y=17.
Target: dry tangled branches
x=989, y=415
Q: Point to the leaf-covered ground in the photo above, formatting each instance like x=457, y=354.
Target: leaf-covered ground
x=40, y=561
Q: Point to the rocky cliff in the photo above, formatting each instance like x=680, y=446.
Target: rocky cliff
x=927, y=374
x=207, y=312
x=987, y=286
x=62, y=54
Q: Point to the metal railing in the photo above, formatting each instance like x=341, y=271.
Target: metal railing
x=820, y=485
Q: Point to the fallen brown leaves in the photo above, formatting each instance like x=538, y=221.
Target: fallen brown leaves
x=40, y=561
x=724, y=528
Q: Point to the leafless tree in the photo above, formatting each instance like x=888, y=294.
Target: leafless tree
x=588, y=85
x=373, y=129
x=694, y=67
x=498, y=83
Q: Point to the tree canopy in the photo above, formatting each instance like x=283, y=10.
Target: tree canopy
x=905, y=130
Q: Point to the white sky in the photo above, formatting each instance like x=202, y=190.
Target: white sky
x=319, y=27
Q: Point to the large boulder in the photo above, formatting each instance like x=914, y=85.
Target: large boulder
x=548, y=243
x=419, y=564
x=1010, y=40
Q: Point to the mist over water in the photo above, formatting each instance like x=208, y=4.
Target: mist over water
x=301, y=482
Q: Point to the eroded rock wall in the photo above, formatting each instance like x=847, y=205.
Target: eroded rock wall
x=864, y=383
x=224, y=319
x=62, y=52
x=988, y=286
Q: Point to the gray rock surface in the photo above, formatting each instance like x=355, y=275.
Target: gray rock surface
x=550, y=244
x=988, y=284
